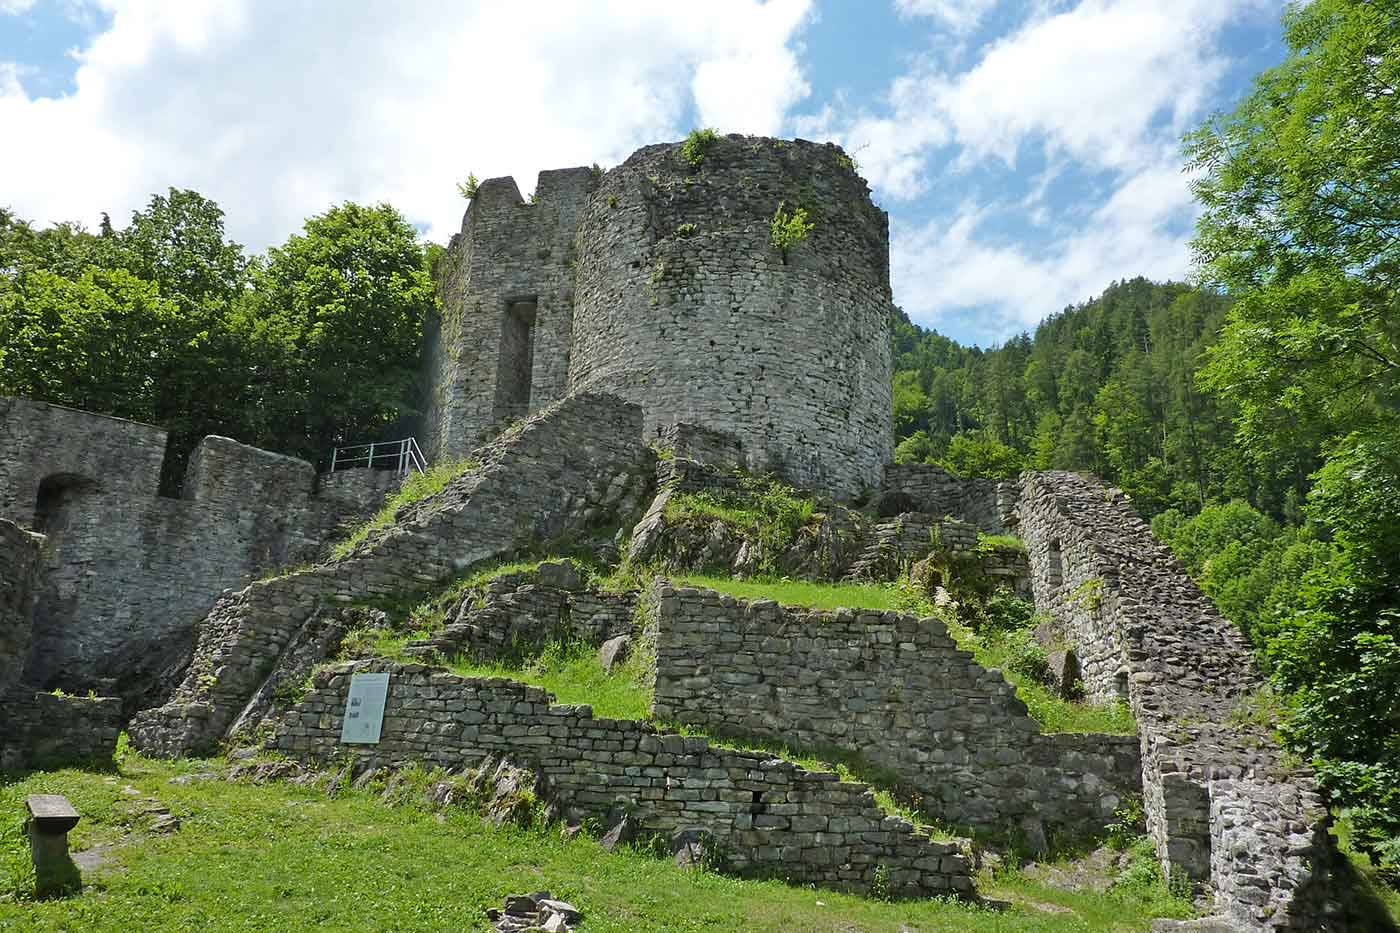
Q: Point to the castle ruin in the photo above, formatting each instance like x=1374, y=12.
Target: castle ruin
x=623, y=337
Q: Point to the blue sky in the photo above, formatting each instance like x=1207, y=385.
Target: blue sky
x=1027, y=150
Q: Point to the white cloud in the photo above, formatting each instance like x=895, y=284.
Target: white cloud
x=960, y=15
x=1093, y=89
x=942, y=268
x=16, y=7
x=280, y=110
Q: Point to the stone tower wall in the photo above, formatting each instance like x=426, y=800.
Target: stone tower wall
x=499, y=349
x=684, y=307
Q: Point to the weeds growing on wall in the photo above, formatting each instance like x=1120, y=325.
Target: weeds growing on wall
x=469, y=188
x=416, y=487
x=787, y=229
x=697, y=144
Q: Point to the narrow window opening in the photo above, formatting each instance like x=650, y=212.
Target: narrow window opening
x=55, y=494
x=1055, y=571
x=515, y=363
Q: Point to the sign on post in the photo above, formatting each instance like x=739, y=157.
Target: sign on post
x=364, y=709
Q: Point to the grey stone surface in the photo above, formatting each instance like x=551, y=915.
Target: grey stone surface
x=1224, y=804
x=769, y=816
x=657, y=282
x=43, y=730
x=920, y=487
x=19, y=563
x=574, y=467
x=125, y=573
x=897, y=691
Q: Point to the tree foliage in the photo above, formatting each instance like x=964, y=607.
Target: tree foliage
x=167, y=321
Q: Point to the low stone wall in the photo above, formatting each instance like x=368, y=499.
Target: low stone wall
x=19, y=559
x=920, y=487
x=767, y=816
x=1224, y=804
x=576, y=467
x=895, y=543
x=896, y=690
x=42, y=730
x=518, y=614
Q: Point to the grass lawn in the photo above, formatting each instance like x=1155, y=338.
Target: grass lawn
x=1047, y=708
x=281, y=857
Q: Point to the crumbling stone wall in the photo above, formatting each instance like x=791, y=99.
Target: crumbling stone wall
x=126, y=573
x=574, y=468
x=44, y=730
x=896, y=690
x=520, y=613
x=684, y=306
x=921, y=487
x=766, y=815
x=19, y=560
x=73, y=450
x=499, y=348
x=1224, y=804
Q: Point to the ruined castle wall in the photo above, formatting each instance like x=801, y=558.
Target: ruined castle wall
x=126, y=573
x=922, y=487
x=499, y=348
x=73, y=450
x=1224, y=804
x=19, y=561
x=767, y=815
x=44, y=730
x=575, y=467
x=684, y=307
x=896, y=690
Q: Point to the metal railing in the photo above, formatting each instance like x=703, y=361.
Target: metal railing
x=402, y=456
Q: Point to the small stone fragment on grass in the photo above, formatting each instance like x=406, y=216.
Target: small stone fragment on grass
x=614, y=652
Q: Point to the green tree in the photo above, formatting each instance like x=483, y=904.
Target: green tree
x=337, y=316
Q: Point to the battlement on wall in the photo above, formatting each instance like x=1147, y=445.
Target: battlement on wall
x=658, y=282
x=126, y=572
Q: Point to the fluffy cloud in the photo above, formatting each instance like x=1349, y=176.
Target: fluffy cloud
x=16, y=7
x=961, y=15
x=279, y=110
x=1105, y=87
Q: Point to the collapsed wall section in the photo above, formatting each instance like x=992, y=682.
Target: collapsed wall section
x=897, y=691
x=499, y=347
x=685, y=307
x=1224, y=804
x=767, y=816
x=575, y=468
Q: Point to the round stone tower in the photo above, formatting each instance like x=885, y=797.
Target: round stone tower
x=684, y=305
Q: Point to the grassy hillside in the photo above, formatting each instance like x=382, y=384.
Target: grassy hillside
x=283, y=857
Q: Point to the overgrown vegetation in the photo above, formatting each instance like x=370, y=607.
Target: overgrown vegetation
x=787, y=229
x=468, y=188
x=697, y=144
x=415, y=488
x=767, y=510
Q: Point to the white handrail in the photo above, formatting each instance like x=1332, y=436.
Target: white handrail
x=405, y=454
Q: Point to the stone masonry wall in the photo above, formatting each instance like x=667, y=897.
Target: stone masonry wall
x=896, y=690
x=509, y=251
x=19, y=560
x=766, y=815
x=684, y=307
x=1224, y=804
x=39, y=441
x=921, y=487
x=42, y=730
x=127, y=574
x=573, y=468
